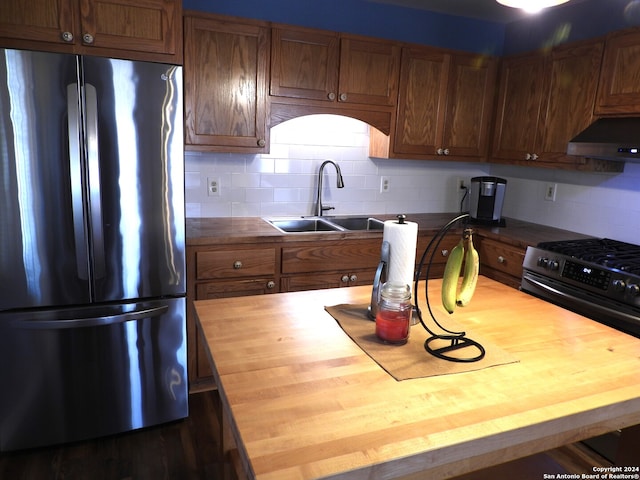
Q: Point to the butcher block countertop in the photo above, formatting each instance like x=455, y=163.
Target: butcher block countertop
x=303, y=401
x=238, y=230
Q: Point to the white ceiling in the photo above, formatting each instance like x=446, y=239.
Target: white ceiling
x=480, y=9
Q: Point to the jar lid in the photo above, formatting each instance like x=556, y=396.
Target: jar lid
x=397, y=291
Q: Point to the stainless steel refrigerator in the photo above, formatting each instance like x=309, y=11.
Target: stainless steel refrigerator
x=92, y=266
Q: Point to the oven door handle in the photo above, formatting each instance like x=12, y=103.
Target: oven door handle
x=595, y=307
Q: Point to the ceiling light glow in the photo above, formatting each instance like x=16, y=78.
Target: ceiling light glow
x=531, y=6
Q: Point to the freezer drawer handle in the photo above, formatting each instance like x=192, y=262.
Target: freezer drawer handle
x=48, y=324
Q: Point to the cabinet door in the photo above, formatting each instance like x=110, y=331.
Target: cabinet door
x=52, y=21
x=619, y=89
x=469, y=104
x=518, y=108
x=368, y=72
x=423, y=82
x=304, y=64
x=225, y=68
x=570, y=91
x=144, y=25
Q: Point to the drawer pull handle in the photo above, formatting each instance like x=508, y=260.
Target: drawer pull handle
x=237, y=265
x=501, y=259
x=345, y=278
x=353, y=278
x=271, y=284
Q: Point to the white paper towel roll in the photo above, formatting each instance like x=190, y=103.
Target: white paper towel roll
x=402, y=238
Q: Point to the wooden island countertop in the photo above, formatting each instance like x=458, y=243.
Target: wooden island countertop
x=303, y=401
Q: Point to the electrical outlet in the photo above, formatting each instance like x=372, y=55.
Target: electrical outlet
x=550, y=192
x=384, y=184
x=460, y=184
x=213, y=187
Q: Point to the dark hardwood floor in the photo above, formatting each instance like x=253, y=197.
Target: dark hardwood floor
x=185, y=449
x=189, y=450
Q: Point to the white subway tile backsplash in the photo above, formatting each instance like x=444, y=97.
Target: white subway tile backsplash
x=283, y=182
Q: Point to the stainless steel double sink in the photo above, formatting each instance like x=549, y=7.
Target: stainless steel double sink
x=325, y=224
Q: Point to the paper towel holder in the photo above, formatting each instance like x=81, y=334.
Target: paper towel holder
x=454, y=341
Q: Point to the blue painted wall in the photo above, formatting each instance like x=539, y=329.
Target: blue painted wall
x=368, y=18
x=575, y=21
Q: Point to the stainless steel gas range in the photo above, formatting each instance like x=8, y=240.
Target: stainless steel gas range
x=597, y=278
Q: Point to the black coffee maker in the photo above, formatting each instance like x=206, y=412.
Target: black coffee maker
x=486, y=197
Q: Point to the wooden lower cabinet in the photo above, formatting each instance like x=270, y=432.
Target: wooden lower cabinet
x=501, y=262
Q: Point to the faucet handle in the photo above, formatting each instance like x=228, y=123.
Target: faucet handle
x=327, y=207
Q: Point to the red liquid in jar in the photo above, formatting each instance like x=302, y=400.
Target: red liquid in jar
x=393, y=326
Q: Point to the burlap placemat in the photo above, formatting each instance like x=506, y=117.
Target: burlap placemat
x=410, y=360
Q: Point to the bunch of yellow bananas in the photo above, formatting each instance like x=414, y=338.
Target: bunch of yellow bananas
x=451, y=296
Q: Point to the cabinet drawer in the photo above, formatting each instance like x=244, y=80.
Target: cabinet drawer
x=442, y=253
x=343, y=257
x=504, y=258
x=237, y=288
x=326, y=280
x=235, y=263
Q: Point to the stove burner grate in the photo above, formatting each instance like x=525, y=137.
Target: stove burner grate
x=601, y=251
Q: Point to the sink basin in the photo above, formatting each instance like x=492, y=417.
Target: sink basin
x=358, y=223
x=325, y=224
x=291, y=225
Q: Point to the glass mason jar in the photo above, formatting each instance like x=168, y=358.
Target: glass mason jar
x=394, y=313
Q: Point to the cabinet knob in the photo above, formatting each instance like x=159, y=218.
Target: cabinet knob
x=442, y=151
x=271, y=284
x=445, y=253
x=67, y=36
x=331, y=96
x=353, y=278
x=262, y=142
x=237, y=265
x=534, y=156
x=345, y=279
x=87, y=38
x=501, y=259
x=343, y=97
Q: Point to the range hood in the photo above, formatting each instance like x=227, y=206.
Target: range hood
x=609, y=139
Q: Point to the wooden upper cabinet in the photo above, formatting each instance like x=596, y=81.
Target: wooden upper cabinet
x=225, y=71
x=52, y=21
x=368, y=71
x=619, y=88
x=423, y=81
x=544, y=101
x=444, y=105
x=304, y=64
x=518, y=108
x=317, y=65
x=570, y=91
x=145, y=29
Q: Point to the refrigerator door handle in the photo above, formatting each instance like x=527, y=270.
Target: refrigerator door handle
x=75, y=170
x=32, y=322
x=93, y=166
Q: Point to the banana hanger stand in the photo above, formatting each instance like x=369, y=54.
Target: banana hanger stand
x=457, y=346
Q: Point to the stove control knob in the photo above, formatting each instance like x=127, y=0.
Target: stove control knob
x=619, y=285
x=542, y=262
x=633, y=289
x=553, y=265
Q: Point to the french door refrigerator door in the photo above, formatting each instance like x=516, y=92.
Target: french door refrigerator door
x=135, y=182
x=43, y=254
